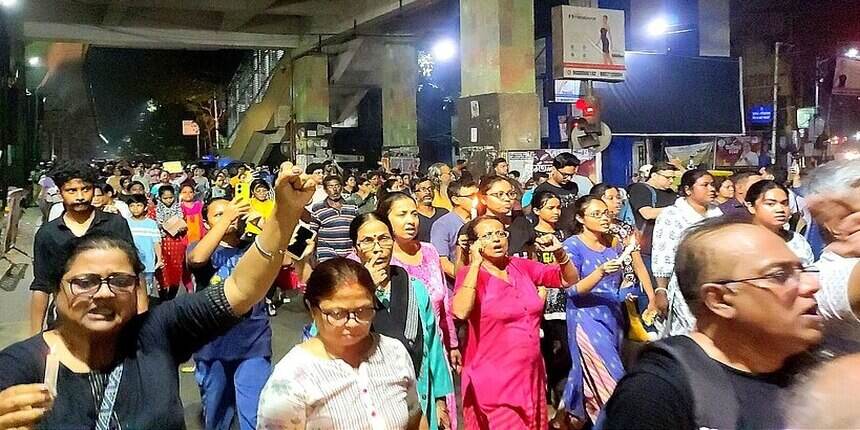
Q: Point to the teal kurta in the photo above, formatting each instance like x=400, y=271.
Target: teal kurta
x=434, y=378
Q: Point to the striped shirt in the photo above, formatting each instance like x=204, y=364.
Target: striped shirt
x=146, y=237
x=308, y=392
x=332, y=227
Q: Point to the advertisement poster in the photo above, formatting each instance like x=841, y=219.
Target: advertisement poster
x=588, y=43
x=846, y=77
x=692, y=156
x=738, y=151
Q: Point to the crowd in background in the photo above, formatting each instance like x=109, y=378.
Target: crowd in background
x=685, y=299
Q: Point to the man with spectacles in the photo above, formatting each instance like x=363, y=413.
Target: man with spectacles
x=756, y=312
x=648, y=199
x=443, y=234
x=427, y=213
x=561, y=182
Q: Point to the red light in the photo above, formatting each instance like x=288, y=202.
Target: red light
x=582, y=105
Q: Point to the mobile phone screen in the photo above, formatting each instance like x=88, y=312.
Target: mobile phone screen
x=300, y=241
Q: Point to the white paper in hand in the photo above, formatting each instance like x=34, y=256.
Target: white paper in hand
x=52, y=370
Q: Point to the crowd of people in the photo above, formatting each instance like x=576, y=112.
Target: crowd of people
x=445, y=300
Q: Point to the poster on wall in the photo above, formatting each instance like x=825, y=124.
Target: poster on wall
x=692, y=156
x=540, y=160
x=588, y=43
x=738, y=151
x=846, y=77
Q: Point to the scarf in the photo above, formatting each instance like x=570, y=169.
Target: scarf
x=400, y=319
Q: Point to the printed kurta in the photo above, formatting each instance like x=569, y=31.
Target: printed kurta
x=503, y=379
x=668, y=231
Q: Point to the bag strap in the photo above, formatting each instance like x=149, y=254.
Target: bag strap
x=109, y=399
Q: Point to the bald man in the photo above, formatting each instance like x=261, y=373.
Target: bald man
x=828, y=400
x=755, y=307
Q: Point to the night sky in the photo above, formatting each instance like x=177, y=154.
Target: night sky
x=123, y=80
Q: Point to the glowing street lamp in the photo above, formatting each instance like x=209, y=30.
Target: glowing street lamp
x=34, y=61
x=852, y=53
x=8, y=3
x=657, y=27
x=444, y=50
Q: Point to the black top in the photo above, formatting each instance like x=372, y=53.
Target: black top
x=152, y=346
x=522, y=235
x=640, y=197
x=655, y=394
x=53, y=238
x=567, y=195
x=424, y=224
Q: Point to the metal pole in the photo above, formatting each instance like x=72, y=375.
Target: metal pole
x=215, y=113
x=198, y=145
x=777, y=45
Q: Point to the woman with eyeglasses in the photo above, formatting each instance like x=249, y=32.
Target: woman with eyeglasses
x=695, y=203
x=407, y=312
x=595, y=323
x=503, y=378
x=347, y=376
x=107, y=367
x=497, y=196
x=768, y=203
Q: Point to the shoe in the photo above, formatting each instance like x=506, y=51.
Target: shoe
x=270, y=308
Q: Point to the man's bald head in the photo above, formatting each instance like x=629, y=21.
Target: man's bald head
x=828, y=399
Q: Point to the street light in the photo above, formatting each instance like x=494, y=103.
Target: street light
x=444, y=50
x=34, y=61
x=8, y=3
x=657, y=27
x=852, y=53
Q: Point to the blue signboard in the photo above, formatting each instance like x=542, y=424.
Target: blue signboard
x=761, y=114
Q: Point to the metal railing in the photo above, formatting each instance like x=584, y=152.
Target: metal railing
x=249, y=85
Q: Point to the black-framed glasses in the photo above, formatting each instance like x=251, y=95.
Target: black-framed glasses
x=88, y=284
x=340, y=317
x=598, y=215
x=368, y=243
x=671, y=178
x=511, y=195
x=783, y=276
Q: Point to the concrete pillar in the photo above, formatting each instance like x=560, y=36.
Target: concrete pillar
x=499, y=107
x=399, y=99
x=310, y=89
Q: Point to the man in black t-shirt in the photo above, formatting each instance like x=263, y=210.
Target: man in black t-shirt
x=756, y=310
x=560, y=182
x=648, y=199
x=427, y=214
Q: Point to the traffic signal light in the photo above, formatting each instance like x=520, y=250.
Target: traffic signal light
x=589, y=110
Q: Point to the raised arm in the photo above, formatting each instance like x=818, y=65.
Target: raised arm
x=467, y=287
x=257, y=269
x=204, y=249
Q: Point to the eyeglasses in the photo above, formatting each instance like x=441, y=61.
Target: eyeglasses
x=368, y=243
x=495, y=235
x=340, y=317
x=566, y=175
x=89, y=284
x=782, y=277
x=511, y=195
x=598, y=215
x=671, y=178
x=468, y=196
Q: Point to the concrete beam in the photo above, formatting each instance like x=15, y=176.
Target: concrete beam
x=129, y=37
x=308, y=8
x=205, y=5
x=235, y=20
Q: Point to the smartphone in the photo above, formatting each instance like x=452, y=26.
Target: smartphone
x=299, y=243
x=243, y=191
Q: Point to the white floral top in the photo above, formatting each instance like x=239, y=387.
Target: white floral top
x=668, y=231
x=308, y=392
x=800, y=247
x=842, y=326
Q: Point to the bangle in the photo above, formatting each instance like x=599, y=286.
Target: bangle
x=657, y=290
x=566, y=260
x=265, y=253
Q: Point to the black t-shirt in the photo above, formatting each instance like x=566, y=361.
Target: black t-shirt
x=567, y=194
x=522, y=235
x=655, y=394
x=640, y=196
x=153, y=345
x=424, y=224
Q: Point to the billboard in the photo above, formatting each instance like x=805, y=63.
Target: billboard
x=761, y=114
x=588, y=43
x=846, y=77
x=741, y=151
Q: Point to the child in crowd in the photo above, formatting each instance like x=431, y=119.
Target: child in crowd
x=192, y=211
x=174, y=240
x=147, y=240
